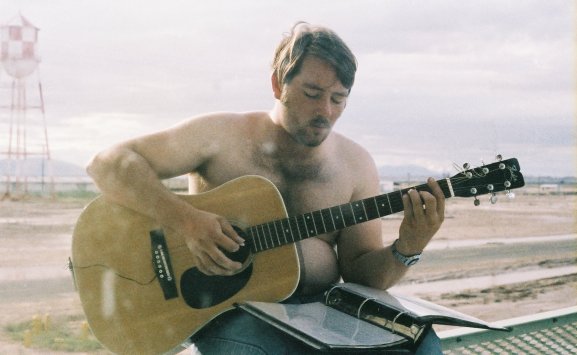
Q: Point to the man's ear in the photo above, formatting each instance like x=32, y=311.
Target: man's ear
x=276, y=86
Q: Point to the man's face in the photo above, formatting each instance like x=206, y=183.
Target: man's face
x=313, y=101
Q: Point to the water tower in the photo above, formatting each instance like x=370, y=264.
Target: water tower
x=23, y=133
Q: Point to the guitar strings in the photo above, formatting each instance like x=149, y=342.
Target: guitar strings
x=395, y=203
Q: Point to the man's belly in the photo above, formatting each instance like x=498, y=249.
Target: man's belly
x=319, y=266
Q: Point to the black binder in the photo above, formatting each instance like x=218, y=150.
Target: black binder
x=357, y=317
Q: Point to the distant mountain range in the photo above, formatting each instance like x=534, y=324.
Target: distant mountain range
x=39, y=167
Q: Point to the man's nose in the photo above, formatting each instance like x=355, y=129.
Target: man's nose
x=324, y=108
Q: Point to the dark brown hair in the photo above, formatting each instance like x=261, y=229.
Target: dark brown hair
x=318, y=41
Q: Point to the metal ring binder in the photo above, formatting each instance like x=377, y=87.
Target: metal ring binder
x=395, y=321
x=361, y=306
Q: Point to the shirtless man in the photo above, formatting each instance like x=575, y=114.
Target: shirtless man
x=294, y=147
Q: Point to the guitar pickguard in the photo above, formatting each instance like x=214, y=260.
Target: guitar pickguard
x=203, y=291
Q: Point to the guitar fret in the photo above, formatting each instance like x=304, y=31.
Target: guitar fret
x=302, y=226
x=383, y=205
x=370, y=208
x=376, y=206
x=250, y=240
x=276, y=231
x=348, y=214
x=295, y=225
x=342, y=216
x=285, y=224
x=358, y=215
x=257, y=237
x=254, y=239
x=390, y=207
x=320, y=215
x=310, y=222
x=327, y=217
x=354, y=219
x=275, y=234
x=338, y=218
x=271, y=235
x=364, y=209
x=333, y=228
x=264, y=237
x=449, y=185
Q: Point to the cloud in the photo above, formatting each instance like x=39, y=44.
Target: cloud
x=433, y=75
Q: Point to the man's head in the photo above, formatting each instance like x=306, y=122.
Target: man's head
x=307, y=40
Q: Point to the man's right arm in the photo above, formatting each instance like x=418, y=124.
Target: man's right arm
x=130, y=173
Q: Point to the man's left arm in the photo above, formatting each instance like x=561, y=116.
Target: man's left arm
x=363, y=257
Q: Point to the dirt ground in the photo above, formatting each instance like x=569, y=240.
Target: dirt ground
x=512, y=237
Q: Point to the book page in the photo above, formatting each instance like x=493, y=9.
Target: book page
x=423, y=310
x=323, y=324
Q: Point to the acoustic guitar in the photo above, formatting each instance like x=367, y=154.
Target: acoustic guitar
x=142, y=294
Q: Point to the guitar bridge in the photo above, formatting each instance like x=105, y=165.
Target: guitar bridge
x=161, y=264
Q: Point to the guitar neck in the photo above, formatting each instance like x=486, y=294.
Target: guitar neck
x=293, y=229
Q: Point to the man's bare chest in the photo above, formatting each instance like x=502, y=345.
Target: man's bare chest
x=305, y=185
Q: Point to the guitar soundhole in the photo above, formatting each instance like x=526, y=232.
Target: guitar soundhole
x=202, y=291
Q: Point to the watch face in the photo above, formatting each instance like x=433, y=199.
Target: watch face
x=407, y=260
x=412, y=261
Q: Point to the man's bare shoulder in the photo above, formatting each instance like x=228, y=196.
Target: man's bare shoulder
x=351, y=151
x=215, y=119
x=358, y=163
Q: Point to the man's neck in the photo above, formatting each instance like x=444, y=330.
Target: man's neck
x=285, y=146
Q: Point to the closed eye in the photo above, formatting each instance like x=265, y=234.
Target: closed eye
x=337, y=101
x=312, y=96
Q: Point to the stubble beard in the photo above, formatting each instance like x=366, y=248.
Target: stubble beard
x=301, y=134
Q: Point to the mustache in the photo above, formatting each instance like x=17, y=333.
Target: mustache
x=320, y=122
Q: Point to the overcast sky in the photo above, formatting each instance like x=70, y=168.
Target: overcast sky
x=439, y=82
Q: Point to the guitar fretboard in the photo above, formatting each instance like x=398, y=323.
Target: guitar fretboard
x=293, y=229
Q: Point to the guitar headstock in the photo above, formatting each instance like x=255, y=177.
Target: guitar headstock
x=500, y=176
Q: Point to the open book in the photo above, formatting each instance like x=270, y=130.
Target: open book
x=357, y=317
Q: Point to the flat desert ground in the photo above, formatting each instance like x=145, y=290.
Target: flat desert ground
x=510, y=259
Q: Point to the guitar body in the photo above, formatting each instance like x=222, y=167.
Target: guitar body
x=142, y=294
x=126, y=304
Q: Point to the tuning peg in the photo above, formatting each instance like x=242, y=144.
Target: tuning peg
x=510, y=195
x=466, y=166
x=493, y=198
x=499, y=157
x=476, y=202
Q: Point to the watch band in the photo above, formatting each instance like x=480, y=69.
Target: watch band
x=408, y=260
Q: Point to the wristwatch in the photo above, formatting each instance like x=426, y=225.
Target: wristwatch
x=408, y=260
